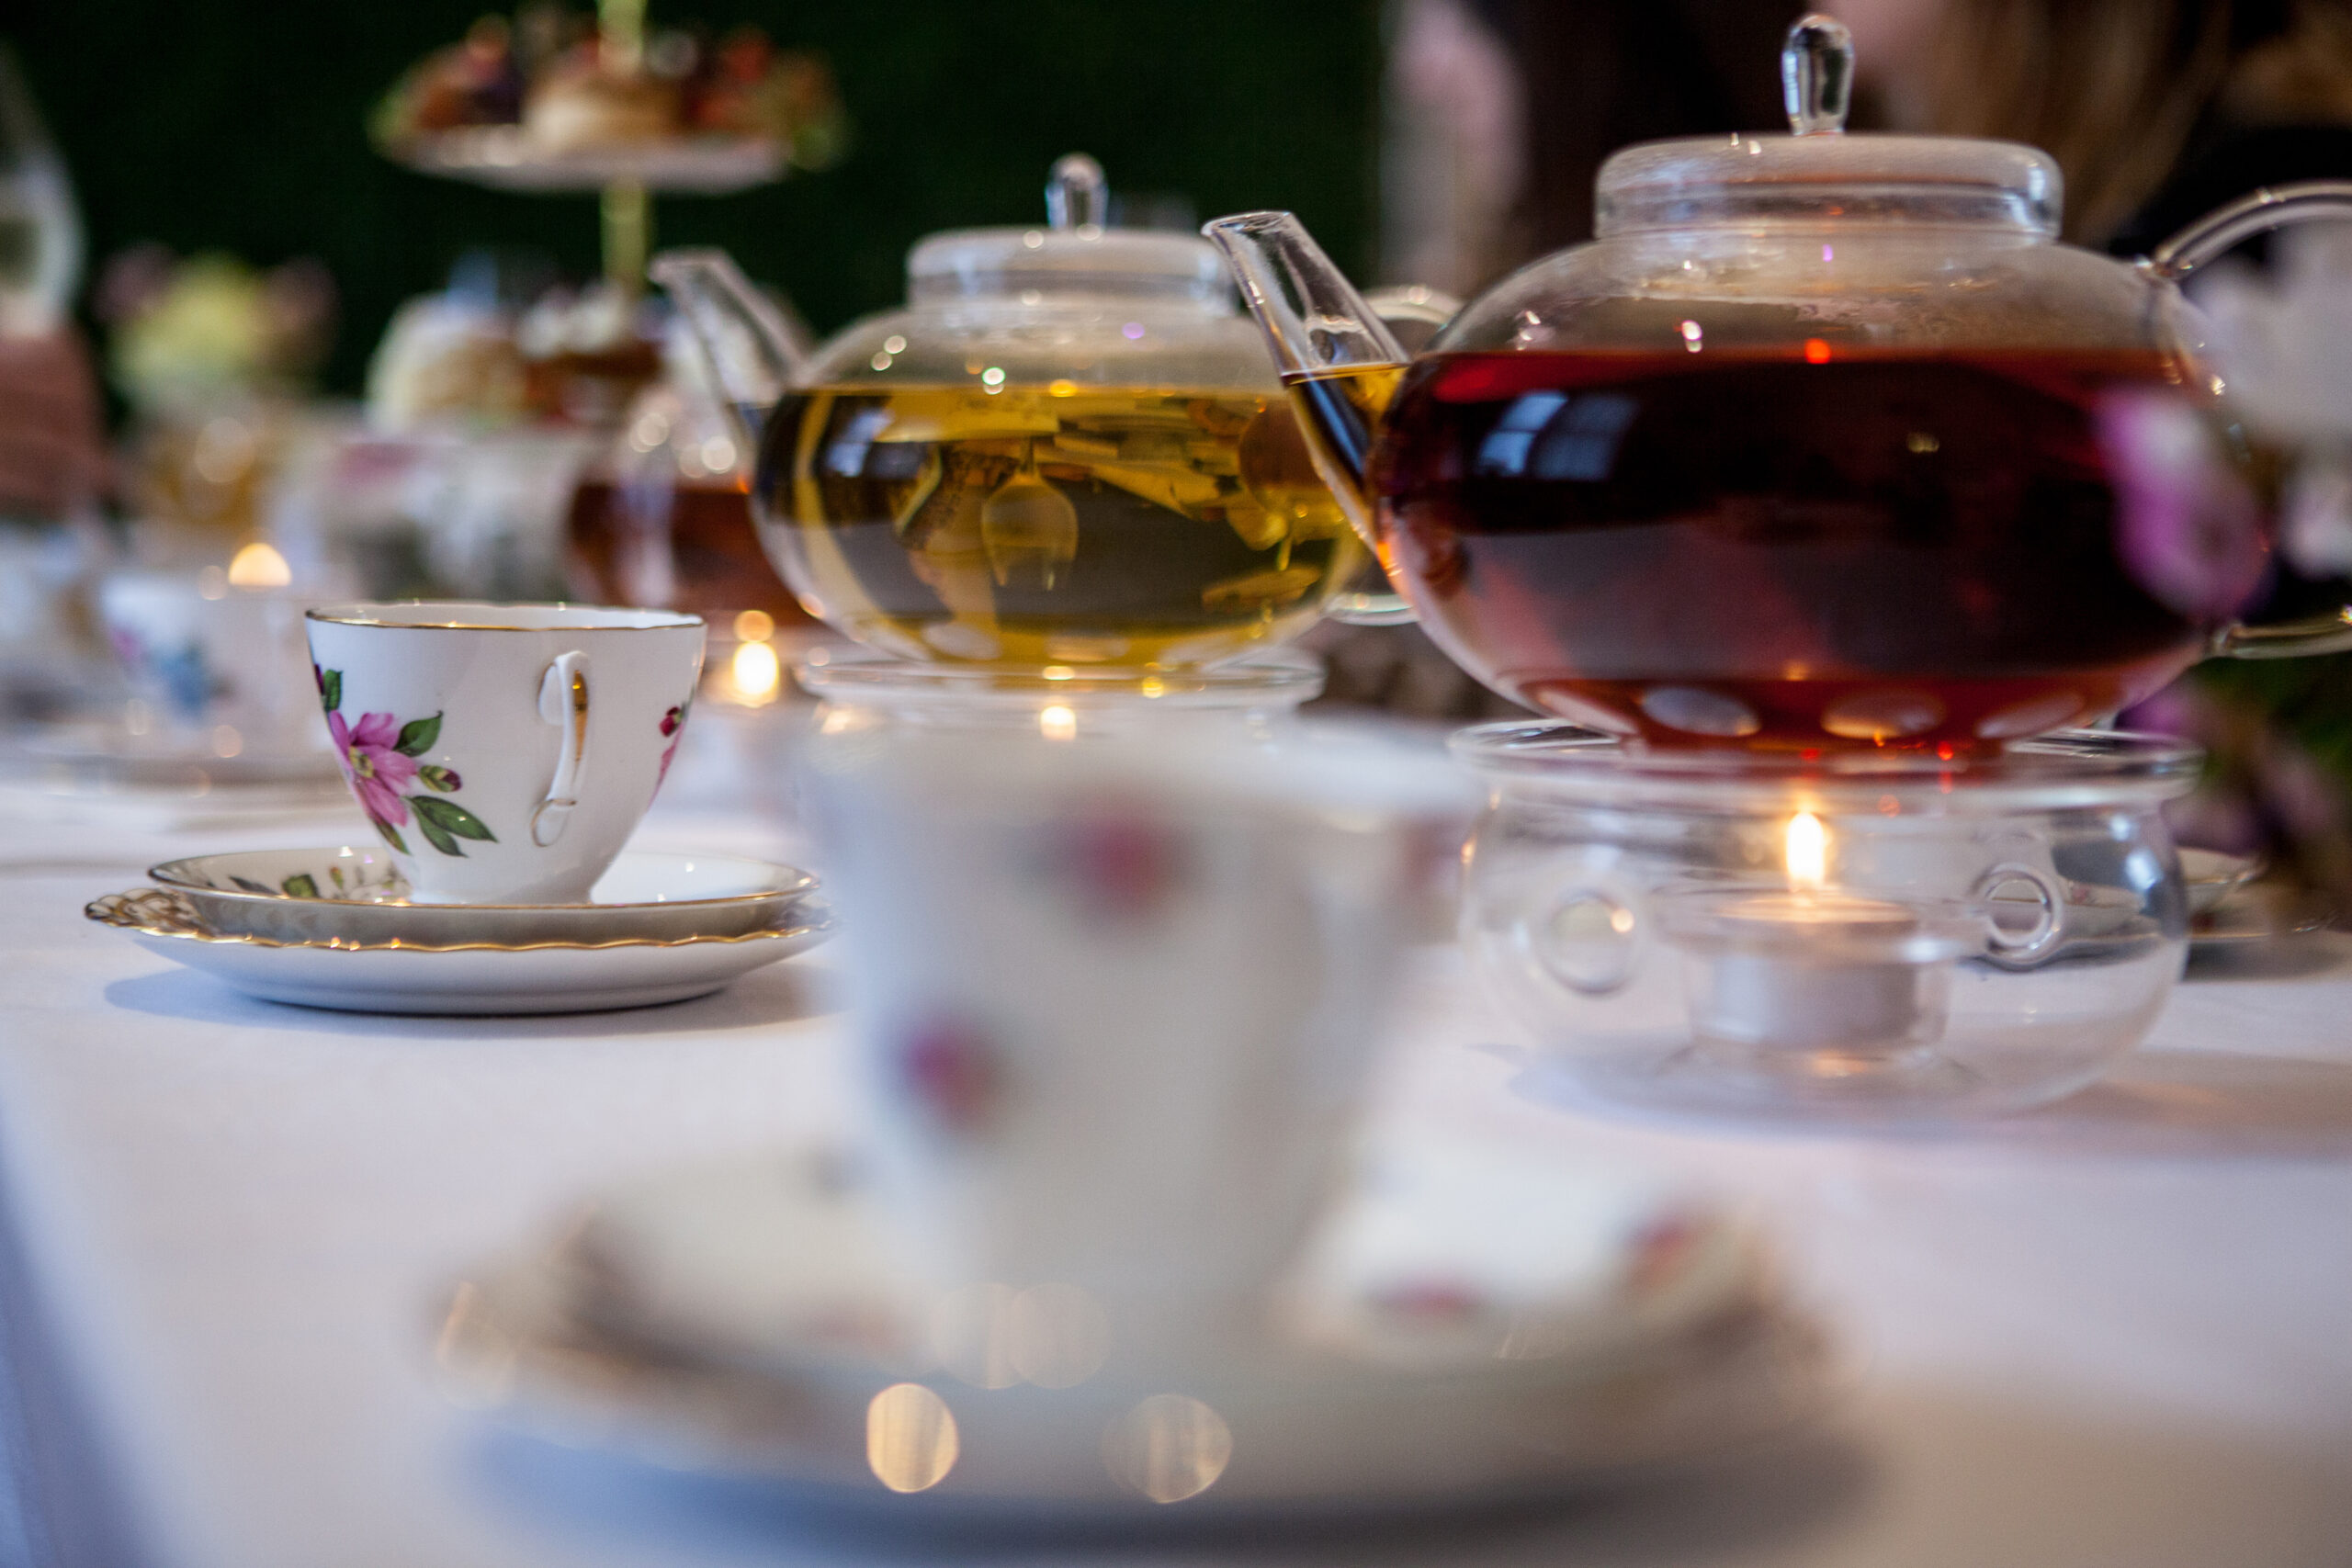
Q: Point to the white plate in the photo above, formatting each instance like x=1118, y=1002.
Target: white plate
x=1467, y=1326
x=505, y=158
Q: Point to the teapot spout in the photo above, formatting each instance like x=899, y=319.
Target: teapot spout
x=753, y=352
x=1313, y=318
x=1333, y=351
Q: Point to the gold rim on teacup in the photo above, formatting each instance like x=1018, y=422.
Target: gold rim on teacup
x=372, y=614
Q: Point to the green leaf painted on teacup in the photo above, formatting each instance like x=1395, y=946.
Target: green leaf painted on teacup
x=302, y=884
x=445, y=821
x=330, y=689
x=440, y=778
x=391, y=836
x=248, y=884
x=417, y=736
x=453, y=817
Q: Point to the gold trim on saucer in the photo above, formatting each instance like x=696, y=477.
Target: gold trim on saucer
x=159, y=912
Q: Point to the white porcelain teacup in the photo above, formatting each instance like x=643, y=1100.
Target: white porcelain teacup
x=1116, y=1002
x=505, y=752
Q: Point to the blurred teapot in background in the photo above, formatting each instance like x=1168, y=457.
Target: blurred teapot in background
x=1823, y=442
x=1067, y=448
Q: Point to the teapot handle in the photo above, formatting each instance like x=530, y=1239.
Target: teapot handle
x=2307, y=201
x=2210, y=236
x=1414, y=315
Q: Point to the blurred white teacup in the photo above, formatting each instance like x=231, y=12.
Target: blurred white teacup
x=505, y=752
x=1116, y=1002
x=215, y=664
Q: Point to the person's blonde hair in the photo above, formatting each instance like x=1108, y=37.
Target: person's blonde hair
x=2113, y=89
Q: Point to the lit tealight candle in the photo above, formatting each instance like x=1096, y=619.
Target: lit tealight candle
x=757, y=674
x=1811, y=969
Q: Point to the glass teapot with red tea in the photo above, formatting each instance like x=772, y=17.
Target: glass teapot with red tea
x=1822, y=442
x=1067, y=448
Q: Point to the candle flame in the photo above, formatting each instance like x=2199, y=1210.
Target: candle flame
x=758, y=674
x=259, y=566
x=1807, y=851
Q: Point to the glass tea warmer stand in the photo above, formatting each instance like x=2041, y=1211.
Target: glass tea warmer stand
x=1254, y=700
x=1876, y=936
x=1061, y=482
x=1820, y=494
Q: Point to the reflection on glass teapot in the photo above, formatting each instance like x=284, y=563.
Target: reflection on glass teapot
x=1067, y=448
x=1822, y=442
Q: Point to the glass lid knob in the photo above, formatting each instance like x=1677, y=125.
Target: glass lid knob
x=1077, y=196
x=1816, y=75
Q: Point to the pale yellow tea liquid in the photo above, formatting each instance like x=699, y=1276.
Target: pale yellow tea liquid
x=1143, y=527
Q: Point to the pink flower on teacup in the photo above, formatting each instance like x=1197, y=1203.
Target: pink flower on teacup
x=1114, y=864
x=1658, y=1253
x=673, y=725
x=950, y=1070
x=372, y=762
x=1430, y=1302
x=379, y=758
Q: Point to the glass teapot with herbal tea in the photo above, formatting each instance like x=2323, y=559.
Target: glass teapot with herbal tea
x=1067, y=448
x=1823, y=442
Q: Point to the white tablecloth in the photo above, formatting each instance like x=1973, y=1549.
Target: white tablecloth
x=2116, y=1333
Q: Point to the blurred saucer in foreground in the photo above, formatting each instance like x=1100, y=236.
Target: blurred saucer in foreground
x=1466, y=1328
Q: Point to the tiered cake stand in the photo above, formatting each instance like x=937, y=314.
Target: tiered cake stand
x=626, y=178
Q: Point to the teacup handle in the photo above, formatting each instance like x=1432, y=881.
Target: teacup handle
x=1414, y=315
x=563, y=702
x=2214, y=235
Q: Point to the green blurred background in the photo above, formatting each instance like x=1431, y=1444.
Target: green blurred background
x=206, y=125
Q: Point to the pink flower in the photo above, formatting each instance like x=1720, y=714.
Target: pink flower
x=377, y=771
x=949, y=1070
x=672, y=723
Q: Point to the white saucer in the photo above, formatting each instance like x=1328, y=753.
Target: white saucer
x=2255, y=913
x=2208, y=876
x=665, y=928
x=1465, y=1328
x=357, y=897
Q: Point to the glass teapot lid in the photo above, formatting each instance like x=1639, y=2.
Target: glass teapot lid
x=1075, y=253
x=1817, y=174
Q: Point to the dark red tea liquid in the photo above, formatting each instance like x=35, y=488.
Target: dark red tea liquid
x=688, y=547
x=1800, y=551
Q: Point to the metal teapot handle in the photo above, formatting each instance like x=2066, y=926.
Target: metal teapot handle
x=2210, y=236
x=1414, y=315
